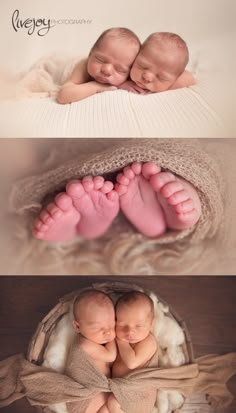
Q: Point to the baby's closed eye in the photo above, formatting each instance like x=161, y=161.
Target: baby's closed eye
x=121, y=70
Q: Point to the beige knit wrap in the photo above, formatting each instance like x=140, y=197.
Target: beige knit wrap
x=80, y=366
x=183, y=157
x=20, y=378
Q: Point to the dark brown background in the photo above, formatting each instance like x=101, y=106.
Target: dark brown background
x=207, y=304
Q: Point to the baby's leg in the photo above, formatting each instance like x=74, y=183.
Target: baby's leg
x=97, y=404
x=138, y=200
x=113, y=405
x=178, y=198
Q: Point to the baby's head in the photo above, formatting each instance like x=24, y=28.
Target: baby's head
x=161, y=60
x=94, y=316
x=134, y=316
x=112, y=56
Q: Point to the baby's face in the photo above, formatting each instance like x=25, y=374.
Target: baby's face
x=110, y=62
x=97, y=323
x=133, y=322
x=154, y=70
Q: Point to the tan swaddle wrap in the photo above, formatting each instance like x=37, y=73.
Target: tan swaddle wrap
x=209, y=374
x=182, y=157
x=82, y=368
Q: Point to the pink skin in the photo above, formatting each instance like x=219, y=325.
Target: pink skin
x=154, y=71
x=154, y=201
x=110, y=62
x=87, y=209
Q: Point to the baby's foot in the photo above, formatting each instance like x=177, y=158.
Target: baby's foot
x=138, y=200
x=58, y=221
x=96, y=202
x=178, y=198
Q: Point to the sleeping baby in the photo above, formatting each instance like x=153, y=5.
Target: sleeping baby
x=160, y=65
x=106, y=68
x=137, y=347
x=94, y=320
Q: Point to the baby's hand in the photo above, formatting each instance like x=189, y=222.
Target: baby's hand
x=130, y=86
x=103, y=87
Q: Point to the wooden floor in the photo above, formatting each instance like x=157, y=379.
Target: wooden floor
x=207, y=304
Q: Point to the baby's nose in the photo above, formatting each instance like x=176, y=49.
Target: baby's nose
x=129, y=330
x=147, y=77
x=106, y=69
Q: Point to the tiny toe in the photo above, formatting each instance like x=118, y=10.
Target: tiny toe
x=128, y=173
x=54, y=210
x=149, y=169
x=160, y=179
x=42, y=228
x=38, y=223
x=136, y=168
x=178, y=197
x=184, y=207
x=88, y=184
x=113, y=195
x=63, y=201
x=170, y=188
x=75, y=189
x=107, y=187
x=44, y=215
x=38, y=234
x=122, y=179
x=98, y=182
x=121, y=189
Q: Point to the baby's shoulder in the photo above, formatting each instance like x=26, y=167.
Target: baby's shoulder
x=89, y=346
x=151, y=341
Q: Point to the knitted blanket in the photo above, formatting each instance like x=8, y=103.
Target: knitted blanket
x=81, y=367
x=209, y=374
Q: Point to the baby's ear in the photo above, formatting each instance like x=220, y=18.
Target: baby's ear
x=76, y=325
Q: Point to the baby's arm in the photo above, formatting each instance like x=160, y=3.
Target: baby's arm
x=99, y=352
x=186, y=79
x=79, y=86
x=140, y=354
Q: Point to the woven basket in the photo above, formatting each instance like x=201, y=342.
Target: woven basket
x=43, y=332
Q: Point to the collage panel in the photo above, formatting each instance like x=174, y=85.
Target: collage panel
x=192, y=324
x=118, y=206
x=140, y=70
x=117, y=175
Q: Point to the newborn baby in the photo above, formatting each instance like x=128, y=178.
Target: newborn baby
x=107, y=66
x=153, y=200
x=160, y=65
x=136, y=344
x=95, y=323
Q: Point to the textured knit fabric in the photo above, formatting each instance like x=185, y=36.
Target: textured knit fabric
x=20, y=378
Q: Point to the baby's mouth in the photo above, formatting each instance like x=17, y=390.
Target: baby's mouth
x=102, y=79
